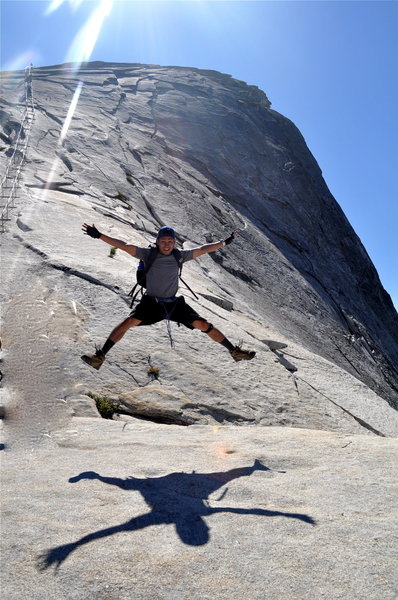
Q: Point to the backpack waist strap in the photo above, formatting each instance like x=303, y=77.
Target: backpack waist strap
x=160, y=299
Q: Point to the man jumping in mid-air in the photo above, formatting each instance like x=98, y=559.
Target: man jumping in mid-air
x=160, y=301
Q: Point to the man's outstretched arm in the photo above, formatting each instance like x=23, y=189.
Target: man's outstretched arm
x=93, y=232
x=212, y=247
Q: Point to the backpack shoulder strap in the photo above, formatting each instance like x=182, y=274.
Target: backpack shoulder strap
x=143, y=268
x=178, y=256
x=153, y=252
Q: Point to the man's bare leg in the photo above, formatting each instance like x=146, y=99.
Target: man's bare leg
x=116, y=335
x=118, y=332
x=217, y=336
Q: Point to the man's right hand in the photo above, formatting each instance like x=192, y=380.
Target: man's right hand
x=229, y=239
x=91, y=230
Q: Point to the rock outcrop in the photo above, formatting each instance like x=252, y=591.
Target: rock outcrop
x=133, y=147
x=214, y=479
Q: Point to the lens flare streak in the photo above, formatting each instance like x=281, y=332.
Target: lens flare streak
x=57, y=3
x=79, y=52
x=86, y=38
x=70, y=113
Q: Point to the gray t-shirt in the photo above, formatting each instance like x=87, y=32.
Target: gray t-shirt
x=162, y=277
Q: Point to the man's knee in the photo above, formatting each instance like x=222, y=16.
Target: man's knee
x=209, y=328
x=204, y=326
x=133, y=322
x=128, y=323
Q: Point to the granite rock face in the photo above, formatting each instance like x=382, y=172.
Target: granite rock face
x=214, y=479
x=140, y=510
x=147, y=146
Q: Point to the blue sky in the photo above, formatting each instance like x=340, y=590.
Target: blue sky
x=329, y=66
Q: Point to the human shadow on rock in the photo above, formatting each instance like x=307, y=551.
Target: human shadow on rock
x=177, y=499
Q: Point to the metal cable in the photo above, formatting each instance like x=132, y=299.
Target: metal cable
x=17, y=158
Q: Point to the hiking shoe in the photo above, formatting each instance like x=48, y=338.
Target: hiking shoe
x=95, y=360
x=239, y=354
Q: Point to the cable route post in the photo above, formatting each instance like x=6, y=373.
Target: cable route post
x=10, y=181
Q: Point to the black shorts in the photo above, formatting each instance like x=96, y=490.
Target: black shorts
x=150, y=310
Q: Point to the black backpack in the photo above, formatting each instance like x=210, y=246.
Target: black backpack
x=143, y=268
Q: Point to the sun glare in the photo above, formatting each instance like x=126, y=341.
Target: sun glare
x=57, y=3
x=84, y=42
x=79, y=52
x=63, y=134
x=21, y=61
x=71, y=112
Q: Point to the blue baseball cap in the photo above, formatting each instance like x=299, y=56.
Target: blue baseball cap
x=166, y=232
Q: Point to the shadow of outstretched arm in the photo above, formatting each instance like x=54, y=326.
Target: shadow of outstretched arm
x=93, y=475
x=264, y=513
x=56, y=556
